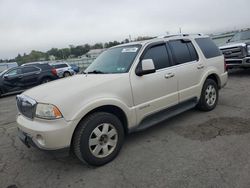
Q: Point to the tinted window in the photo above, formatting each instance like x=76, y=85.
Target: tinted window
x=192, y=51
x=159, y=55
x=29, y=69
x=44, y=66
x=60, y=66
x=183, y=51
x=14, y=72
x=208, y=47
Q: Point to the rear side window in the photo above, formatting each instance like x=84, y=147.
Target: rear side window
x=60, y=66
x=183, y=51
x=159, y=55
x=208, y=47
x=29, y=69
x=43, y=66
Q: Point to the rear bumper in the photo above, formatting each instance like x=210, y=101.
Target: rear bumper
x=223, y=79
x=245, y=62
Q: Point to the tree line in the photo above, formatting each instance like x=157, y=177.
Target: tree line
x=65, y=53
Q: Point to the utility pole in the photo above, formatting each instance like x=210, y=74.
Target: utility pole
x=180, y=30
x=130, y=40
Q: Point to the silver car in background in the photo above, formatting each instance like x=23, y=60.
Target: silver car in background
x=63, y=69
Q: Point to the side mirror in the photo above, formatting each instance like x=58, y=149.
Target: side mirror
x=146, y=67
x=228, y=40
x=6, y=76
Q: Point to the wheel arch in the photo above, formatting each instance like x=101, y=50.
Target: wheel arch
x=113, y=109
x=66, y=72
x=45, y=77
x=214, y=77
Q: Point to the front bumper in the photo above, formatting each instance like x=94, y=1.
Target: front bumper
x=45, y=134
x=245, y=62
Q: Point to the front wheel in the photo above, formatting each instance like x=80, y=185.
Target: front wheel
x=209, y=96
x=98, y=138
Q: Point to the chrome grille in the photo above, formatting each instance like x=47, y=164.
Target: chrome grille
x=233, y=53
x=26, y=106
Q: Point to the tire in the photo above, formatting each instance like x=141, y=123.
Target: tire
x=45, y=80
x=100, y=151
x=209, y=96
x=66, y=74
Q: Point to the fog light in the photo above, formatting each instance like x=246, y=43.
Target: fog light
x=40, y=139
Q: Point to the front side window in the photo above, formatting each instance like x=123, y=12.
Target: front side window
x=159, y=55
x=183, y=51
x=14, y=72
x=114, y=60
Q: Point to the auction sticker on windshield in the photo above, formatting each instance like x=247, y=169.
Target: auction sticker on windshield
x=126, y=50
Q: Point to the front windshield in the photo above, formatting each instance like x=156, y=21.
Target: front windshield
x=244, y=35
x=114, y=60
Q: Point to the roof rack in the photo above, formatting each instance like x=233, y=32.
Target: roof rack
x=183, y=34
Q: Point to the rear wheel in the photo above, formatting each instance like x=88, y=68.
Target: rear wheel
x=66, y=74
x=45, y=80
x=98, y=138
x=209, y=96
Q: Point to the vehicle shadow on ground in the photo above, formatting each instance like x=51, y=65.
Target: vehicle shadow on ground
x=238, y=72
x=138, y=138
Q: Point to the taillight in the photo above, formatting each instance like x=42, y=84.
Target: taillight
x=53, y=71
x=225, y=65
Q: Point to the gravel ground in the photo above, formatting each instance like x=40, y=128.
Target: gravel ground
x=194, y=149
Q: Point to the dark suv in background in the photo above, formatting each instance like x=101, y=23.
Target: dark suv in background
x=26, y=76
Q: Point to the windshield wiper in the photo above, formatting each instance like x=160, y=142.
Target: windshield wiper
x=94, y=72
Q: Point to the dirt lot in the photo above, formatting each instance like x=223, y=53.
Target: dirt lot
x=195, y=149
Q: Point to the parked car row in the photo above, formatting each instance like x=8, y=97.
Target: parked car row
x=20, y=78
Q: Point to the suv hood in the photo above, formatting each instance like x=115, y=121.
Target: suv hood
x=57, y=91
x=235, y=44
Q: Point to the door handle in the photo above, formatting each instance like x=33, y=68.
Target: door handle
x=200, y=66
x=169, y=75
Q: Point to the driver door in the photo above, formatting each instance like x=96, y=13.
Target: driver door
x=156, y=91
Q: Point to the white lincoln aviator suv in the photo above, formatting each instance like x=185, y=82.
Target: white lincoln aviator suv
x=128, y=88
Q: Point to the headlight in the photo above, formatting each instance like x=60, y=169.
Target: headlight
x=47, y=111
x=248, y=49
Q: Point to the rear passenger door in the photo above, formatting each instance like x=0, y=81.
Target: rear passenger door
x=156, y=91
x=188, y=66
x=30, y=76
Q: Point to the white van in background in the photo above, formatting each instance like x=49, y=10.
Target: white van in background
x=5, y=66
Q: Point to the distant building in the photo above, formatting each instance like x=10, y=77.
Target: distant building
x=94, y=53
x=52, y=58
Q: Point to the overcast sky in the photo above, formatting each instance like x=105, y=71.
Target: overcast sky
x=42, y=24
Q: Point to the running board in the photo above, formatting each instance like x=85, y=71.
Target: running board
x=165, y=114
